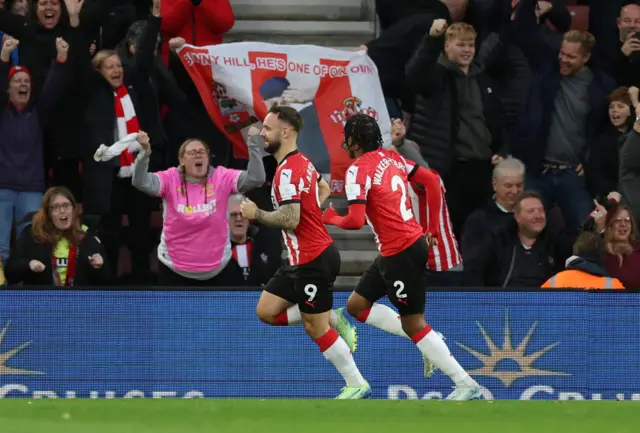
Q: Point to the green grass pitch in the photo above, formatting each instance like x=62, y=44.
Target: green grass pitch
x=316, y=416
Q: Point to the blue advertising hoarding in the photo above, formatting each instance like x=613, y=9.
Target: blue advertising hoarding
x=115, y=344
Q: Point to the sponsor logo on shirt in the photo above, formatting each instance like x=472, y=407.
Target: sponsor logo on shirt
x=206, y=208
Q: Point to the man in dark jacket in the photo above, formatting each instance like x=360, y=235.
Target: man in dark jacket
x=525, y=253
x=621, y=57
x=566, y=109
x=508, y=183
x=456, y=119
x=257, y=251
x=512, y=71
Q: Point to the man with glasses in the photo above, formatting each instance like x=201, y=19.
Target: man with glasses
x=256, y=250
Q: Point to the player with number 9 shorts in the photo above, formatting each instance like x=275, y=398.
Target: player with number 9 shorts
x=300, y=291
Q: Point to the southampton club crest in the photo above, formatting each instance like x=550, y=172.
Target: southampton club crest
x=350, y=106
x=234, y=113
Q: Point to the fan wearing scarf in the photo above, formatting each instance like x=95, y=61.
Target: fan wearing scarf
x=56, y=250
x=195, y=248
x=115, y=114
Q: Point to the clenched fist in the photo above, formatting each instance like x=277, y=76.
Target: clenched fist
x=96, y=261
x=438, y=28
x=8, y=45
x=62, y=47
x=36, y=266
x=176, y=43
x=145, y=142
x=248, y=209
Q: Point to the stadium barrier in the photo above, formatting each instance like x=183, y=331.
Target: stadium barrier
x=193, y=344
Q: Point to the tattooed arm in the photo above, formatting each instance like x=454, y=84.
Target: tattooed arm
x=287, y=217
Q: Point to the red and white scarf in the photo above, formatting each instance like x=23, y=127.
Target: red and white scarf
x=127, y=123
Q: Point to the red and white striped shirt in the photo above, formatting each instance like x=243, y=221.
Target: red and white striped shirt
x=429, y=204
x=296, y=181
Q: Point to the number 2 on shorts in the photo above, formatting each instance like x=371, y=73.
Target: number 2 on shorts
x=400, y=292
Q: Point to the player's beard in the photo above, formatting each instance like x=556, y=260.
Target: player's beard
x=273, y=146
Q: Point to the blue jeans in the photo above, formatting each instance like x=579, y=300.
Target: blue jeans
x=566, y=189
x=14, y=205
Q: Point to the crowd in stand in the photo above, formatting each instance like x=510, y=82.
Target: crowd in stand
x=530, y=122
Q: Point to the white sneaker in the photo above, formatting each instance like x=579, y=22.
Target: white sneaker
x=465, y=393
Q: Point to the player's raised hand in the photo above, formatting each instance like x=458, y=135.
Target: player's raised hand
x=248, y=209
x=96, y=261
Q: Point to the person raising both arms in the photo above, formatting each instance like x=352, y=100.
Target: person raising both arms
x=194, y=247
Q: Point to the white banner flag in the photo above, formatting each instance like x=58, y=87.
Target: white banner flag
x=239, y=82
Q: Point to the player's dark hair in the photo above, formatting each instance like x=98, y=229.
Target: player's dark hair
x=288, y=115
x=364, y=131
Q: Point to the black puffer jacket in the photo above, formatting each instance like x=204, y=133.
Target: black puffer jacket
x=434, y=123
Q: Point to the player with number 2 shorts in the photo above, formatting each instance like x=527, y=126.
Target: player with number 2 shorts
x=300, y=291
x=377, y=186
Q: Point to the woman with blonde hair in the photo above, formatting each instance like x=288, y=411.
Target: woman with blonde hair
x=115, y=114
x=56, y=249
